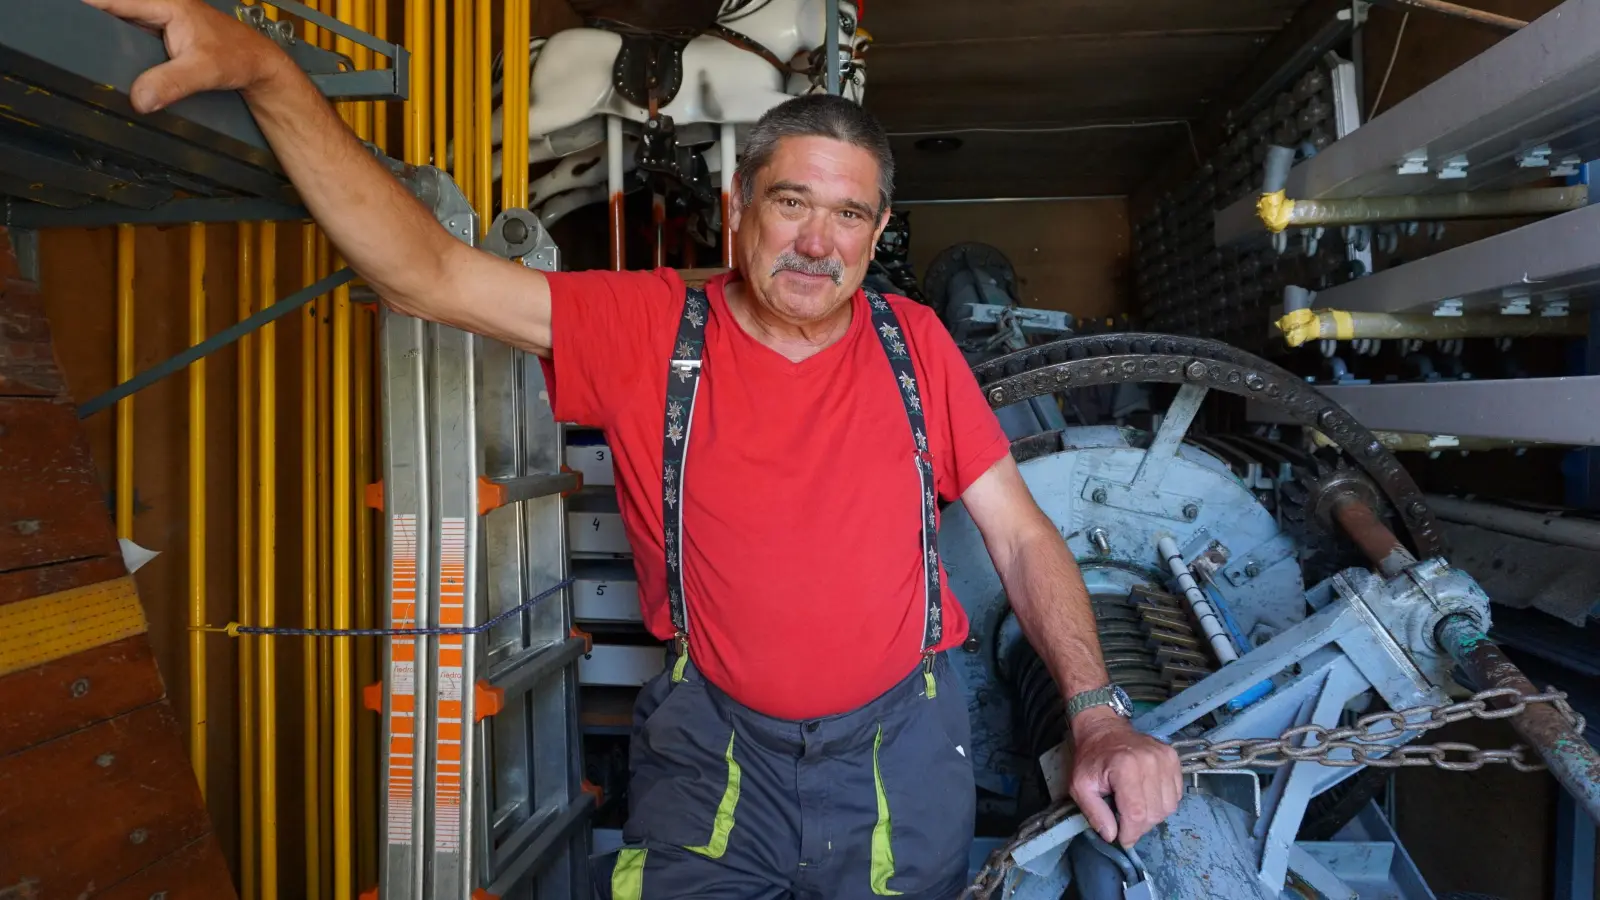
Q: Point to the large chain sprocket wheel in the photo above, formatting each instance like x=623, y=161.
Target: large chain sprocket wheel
x=1138, y=358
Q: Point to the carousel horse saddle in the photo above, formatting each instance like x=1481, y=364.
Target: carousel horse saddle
x=649, y=66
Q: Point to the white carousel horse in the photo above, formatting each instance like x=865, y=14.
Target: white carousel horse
x=572, y=86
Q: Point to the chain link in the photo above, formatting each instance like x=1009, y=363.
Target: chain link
x=1318, y=744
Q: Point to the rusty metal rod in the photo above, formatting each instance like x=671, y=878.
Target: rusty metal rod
x=1571, y=760
x=1494, y=20
x=1362, y=524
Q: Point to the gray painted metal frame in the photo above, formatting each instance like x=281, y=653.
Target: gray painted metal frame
x=1321, y=664
x=89, y=159
x=1550, y=410
x=1554, y=260
x=1530, y=102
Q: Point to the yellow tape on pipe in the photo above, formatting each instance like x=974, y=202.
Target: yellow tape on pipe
x=48, y=628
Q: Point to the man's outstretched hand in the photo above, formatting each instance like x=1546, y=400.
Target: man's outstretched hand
x=1110, y=757
x=209, y=50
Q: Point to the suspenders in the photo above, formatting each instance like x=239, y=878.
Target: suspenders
x=683, y=385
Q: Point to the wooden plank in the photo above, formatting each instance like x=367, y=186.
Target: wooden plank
x=21, y=585
x=51, y=508
x=196, y=872
x=99, y=805
x=27, y=365
x=946, y=20
x=57, y=698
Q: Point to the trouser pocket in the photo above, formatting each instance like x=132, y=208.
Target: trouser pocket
x=923, y=788
x=686, y=777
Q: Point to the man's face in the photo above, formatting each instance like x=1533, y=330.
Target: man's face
x=806, y=238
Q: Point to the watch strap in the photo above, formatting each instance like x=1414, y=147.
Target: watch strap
x=1100, y=696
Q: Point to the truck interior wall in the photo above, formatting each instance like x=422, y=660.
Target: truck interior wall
x=77, y=276
x=1069, y=255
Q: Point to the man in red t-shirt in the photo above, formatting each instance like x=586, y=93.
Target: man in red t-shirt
x=782, y=441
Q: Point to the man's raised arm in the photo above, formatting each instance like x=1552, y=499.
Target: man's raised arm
x=384, y=233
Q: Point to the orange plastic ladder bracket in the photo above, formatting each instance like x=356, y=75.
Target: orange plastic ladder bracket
x=491, y=496
x=488, y=700
x=372, y=699
x=590, y=787
x=372, y=496
x=588, y=639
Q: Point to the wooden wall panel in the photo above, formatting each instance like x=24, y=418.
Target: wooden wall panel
x=196, y=872
x=94, y=781
x=72, y=693
x=106, y=802
x=1070, y=255
x=50, y=509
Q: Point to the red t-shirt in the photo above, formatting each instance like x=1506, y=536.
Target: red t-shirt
x=801, y=537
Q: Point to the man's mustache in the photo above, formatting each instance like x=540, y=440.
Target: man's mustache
x=809, y=265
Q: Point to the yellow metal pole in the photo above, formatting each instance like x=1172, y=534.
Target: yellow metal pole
x=416, y=108
x=366, y=659
x=366, y=796
x=308, y=561
x=342, y=494
x=461, y=94
x=267, y=561
x=483, y=167
x=325, y=565
x=246, y=589
x=125, y=264
x=438, y=93
x=380, y=110
x=197, y=508
x=514, y=103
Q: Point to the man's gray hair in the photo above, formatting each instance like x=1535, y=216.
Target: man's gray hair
x=817, y=115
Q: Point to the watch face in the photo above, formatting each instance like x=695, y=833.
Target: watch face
x=1121, y=702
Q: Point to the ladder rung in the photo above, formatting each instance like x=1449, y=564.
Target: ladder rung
x=550, y=839
x=520, y=674
x=503, y=492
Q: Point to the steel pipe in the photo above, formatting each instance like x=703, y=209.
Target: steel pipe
x=483, y=169
x=1302, y=326
x=198, y=752
x=1358, y=520
x=310, y=779
x=125, y=327
x=514, y=109
x=245, y=567
x=1278, y=212
x=1561, y=745
x=266, y=568
x=438, y=102
x=1570, y=532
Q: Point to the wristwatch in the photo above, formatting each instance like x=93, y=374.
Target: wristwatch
x=1111, y=695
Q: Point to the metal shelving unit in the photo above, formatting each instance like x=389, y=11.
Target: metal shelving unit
x=1526, y=108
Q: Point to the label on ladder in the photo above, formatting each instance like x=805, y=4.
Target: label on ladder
x=402, y=774
x=452, y=614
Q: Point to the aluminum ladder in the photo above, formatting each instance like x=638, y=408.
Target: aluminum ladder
x=482, y=789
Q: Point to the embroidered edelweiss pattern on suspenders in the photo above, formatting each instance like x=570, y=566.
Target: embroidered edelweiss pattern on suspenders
x=683, y=385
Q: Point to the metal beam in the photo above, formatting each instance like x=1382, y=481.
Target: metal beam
x=72, y=49
x=1488, y=123
x=24, y=214
x=1550, y=410
x=1554, y=259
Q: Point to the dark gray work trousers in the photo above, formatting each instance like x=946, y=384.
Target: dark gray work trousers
x=728, y=804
